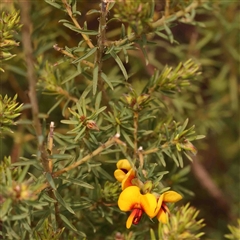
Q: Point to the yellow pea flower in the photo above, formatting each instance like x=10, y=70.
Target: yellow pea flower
x=132, y=200
x=124, y=173
x=162, y=210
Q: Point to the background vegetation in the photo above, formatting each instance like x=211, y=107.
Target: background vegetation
x=170, y=64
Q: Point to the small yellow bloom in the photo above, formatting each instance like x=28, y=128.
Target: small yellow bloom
x=131, y=199
x=162, y=210
x=124, y=173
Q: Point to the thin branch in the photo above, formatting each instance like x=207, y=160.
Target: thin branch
x=50, y=145
x=32, y=80
x=100, y=50
x=69, y=11
x=61, y=50
x=66, y=94
x=31, y=76
x=135, y=126
x=107, y=144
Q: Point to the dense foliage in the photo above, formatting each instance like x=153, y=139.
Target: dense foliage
x=100, y=99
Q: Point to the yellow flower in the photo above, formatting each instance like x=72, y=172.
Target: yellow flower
x=131, y=199
x=124, y=173
x=162, y=210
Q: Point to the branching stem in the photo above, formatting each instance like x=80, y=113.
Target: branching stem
x=31, y=76
x=61, y=50
x=107, y=144
x=69, y=11
x=101, y=46
x=135, y=126
x=32, y=81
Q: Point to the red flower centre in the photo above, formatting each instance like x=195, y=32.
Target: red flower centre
x=124, y=170
x=137, y=215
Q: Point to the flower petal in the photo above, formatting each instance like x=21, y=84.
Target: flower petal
x=162, y=216
x=148, y=204
x=129, y=198
x=119, y=175
x=124, y=164
x=171, y=196
x=130, y=220
x=159, y=204
x=127, y=181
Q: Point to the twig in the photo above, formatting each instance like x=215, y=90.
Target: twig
x=32, y=80
x=31, y=76
x=50, y=145
x=135, y=126
x=101, y=45
x=65, y=93
x=166, y=12
x=107, y=144
x=69, y=11
x=61, y=50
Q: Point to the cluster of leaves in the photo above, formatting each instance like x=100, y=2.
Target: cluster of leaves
x=9, y=110
x=235, y=231
x=182, y=225
x=9, y=25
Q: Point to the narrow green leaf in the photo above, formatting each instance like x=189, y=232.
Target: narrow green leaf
x=68, y=223
x=23, y=173
x=54, y=4
x=123, y=31
x=86, y=55
x=189, y=158
x=104, y=173
x=5, y=207
x=72, y=76
x=84, y=31
x=99, y=110
x=98, y=100
x=127, y=138
x=161, y=158
x=72, y=122
x=86, y=92
x=95, y=79
x=55, y=105
x=62, y=202
x=50, y=180
x=180, y=159
x=105, y=78
x=184, y=125
x=78, y=182
x=61, y=156
x=24, y=163
x=18, y=217
x=92, y=11
x=120, y=64
x=49, y=199
x=80, y=133
x=167, y=132
x=169, y=33
x=41, y=221
x=152, y=235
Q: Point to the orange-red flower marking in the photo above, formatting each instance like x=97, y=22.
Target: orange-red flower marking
x=132, y=200
x=162, y=210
